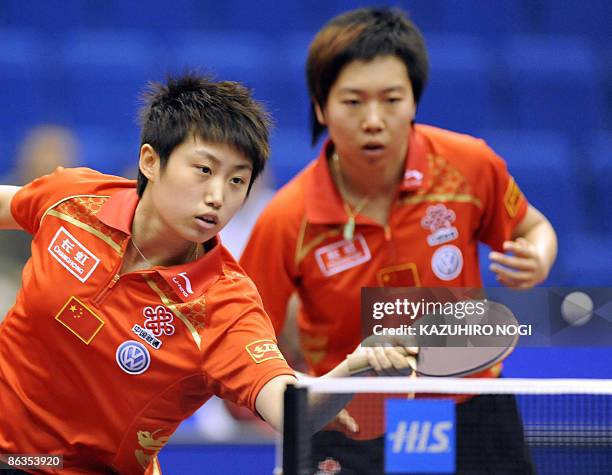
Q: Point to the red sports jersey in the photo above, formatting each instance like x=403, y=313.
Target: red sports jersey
x=100, y=367
x=455, y=192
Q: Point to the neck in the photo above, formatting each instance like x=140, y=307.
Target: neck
x=359, y=183
x=158, y=246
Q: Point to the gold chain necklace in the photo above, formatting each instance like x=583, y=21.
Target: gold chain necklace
x=349, y=228
x=193, y=257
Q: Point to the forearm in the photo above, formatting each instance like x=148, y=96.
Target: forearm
x=543, y=237
x=322, y=408
x=6, y=218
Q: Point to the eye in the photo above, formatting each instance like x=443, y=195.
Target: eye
x=394, y=99
x=206, y=170
x=351, y=102
x=237, y=180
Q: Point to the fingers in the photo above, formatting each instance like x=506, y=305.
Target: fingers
x=521, y=247
x=345, y=419
x=521, y=269
x=511, y=276
x=514, y=262
x=408, y=342
x=391, y=361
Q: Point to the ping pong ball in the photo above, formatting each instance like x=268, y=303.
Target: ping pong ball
x=577, y=308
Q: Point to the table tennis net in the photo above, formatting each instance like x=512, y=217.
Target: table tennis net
x=505, y=425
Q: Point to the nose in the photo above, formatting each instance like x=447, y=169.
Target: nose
x=214, y=194
x=373, y=120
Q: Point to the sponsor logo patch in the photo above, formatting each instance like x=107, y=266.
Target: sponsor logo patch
x=147, y=336
x=420, y=436
x=447, y=262
x=412, y=178
x=183, y=283
x=264, y=350
x=439, y=220
x=512, y=198
x=133, y=357
x=80, y=320
x=71, y=254
x=329, y=466
x=158, y=320
x=342, y=255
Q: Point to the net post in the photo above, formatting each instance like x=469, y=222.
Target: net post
x=296, y=433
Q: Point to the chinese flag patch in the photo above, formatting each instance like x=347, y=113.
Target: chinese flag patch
x=263, y=350
x=80, y=320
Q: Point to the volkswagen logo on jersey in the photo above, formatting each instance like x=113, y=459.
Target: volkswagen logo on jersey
x=133, y=357
x=447, y=262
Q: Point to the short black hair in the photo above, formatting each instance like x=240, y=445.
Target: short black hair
x=363, y=34
x=222, y=112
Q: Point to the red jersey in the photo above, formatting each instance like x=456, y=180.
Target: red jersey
x=455, y=192
x=102, y=368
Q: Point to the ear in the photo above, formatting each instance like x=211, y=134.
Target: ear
x=319, y=113
x=149, y=162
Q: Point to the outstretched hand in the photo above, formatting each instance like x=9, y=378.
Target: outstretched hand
x=521, y=266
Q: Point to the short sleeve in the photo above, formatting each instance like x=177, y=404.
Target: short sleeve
x=240, y=352
x=32, y=201
x=504, y=203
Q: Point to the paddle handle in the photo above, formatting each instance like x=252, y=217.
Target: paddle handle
x=357, y=363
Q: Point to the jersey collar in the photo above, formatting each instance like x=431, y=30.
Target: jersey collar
x=323, y=200
x=188, y=280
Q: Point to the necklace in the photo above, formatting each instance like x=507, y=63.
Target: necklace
x=349, y=228
x=193, y=257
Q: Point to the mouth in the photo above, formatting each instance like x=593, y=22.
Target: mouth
x=209, y=219
x=373, y=147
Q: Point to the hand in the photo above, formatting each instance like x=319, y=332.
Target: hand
x=344, y=419
x=521, y=267
x=385, y=356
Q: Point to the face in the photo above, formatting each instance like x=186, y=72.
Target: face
x=202, y=186
x=368, y=112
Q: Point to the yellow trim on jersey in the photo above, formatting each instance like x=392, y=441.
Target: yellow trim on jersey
x=166, y=301
x=303, y=250
x=442, y=197
x=86, y=227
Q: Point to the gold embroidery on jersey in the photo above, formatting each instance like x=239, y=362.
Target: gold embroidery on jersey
x=447, y=185
x=512, y=198
x=151, y=447
x=66, y=198
x=173, y=307
x=313, y=347
x=314, y=357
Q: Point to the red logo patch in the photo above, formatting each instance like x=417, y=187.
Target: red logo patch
x=264, y=350
x=71, y=254
x=342, y=255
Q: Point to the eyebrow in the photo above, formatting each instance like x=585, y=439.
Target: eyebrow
x=386, y=90
x=218, y=161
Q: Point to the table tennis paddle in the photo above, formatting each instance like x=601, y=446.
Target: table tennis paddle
x=454, y=361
